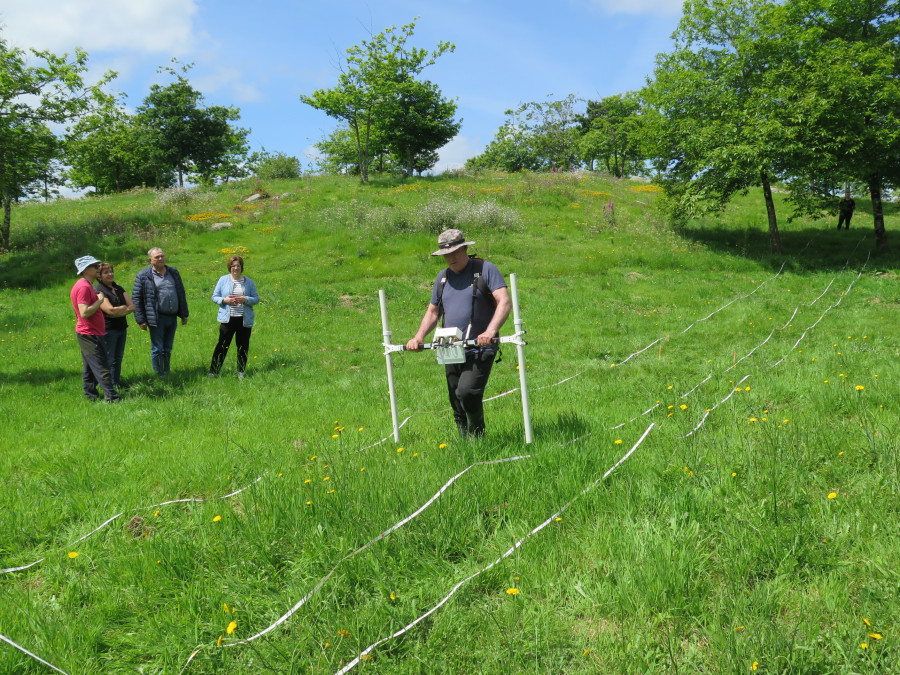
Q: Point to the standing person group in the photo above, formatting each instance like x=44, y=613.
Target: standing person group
x=471, y=295
x=158, y=300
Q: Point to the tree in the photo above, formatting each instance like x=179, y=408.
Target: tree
x=612, y=134
x=31, y=98
x=714, y=127
x=188, y=137
x=847, y=79
x=108, y=151
x=536, y=135
x=370, y=88
x=418, y=124
x=339, y=153
x=270, y=166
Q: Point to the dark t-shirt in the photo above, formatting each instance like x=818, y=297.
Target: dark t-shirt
x=116, y=297
x=457, y=298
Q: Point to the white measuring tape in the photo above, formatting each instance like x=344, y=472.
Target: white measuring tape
x=352, y=664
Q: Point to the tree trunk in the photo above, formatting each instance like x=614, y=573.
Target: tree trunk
x=770, y=210
x=881, y=242
x=7, y=216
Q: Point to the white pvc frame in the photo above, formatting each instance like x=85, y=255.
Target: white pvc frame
x=514, y=339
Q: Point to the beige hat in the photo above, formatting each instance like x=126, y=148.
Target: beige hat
x=450, y=240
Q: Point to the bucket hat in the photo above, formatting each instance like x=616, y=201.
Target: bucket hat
x=450, y=240
x=84, y=262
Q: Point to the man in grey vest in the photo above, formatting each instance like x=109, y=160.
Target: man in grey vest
x=471, y=294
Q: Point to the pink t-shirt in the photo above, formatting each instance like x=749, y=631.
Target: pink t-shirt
x=84, y=293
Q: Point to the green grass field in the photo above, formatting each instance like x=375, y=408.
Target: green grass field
x=753, y=529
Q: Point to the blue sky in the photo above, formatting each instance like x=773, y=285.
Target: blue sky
x=260, y=56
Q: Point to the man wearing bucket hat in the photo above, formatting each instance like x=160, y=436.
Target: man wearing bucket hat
x=90, y=327
x=471, y=295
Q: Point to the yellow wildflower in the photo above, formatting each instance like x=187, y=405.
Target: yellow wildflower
x=512, y=591
x=832, y=495
x=73, y=554
x=231, y=627
x=217, y=519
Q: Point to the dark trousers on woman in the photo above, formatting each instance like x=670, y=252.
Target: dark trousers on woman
x=227, y=331
x=114, y=340
x=96, y=368
x=465, y=385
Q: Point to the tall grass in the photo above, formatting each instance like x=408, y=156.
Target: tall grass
x=764, y=537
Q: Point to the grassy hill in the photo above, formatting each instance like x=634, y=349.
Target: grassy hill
x=750, y=529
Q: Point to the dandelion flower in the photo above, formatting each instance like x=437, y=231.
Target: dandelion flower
x=335, y=435
x=860, y=387
x=344, y=633
x=308, y=503
x=231, y=627
x=217, y=519
x=360, y=429
x=867, y=622
x=670, y=386
x=362, y=468
x=366, y=657
x=618, y=441
x=308, y=480
x=587, y=651
x=399, y=449
x=219, y=642
x=512, y=591
x=156, y=514
x=225, y=606
x=442, y=446
x=683, y=406
x=739, y=628
x=558, y=519
x=733, y=474
x=73, y=554
x=327, y=478
x=330, y=492
x=864, y=646
x=753, y=419
x=393, y=597
x=832, y=495
x=746, y=388
x=754, y=665
x=875, y=636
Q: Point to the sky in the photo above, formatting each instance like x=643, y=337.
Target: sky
x=260, y=56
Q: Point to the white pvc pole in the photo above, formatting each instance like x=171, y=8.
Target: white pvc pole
x=520, y=357
x=390, y=369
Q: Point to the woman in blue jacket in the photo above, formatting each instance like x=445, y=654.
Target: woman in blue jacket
x=235, y=295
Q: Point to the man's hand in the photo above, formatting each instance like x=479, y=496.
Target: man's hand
x=484, y=340
x=143, y=326
x=184, y=321
x=414, y=345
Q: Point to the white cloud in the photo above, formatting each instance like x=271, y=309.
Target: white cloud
x=154, y=26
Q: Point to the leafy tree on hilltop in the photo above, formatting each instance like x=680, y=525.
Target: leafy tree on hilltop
x=189, y=138
x=612, y=134
x=110, y=152
x=535, y=136
x=31, y=98
x=378, y=87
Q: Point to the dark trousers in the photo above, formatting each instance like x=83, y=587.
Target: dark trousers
x=465, y=386
x=96, y=367
x=162, y=337
x=114, y=340
x=844, y=218
x=234, y=327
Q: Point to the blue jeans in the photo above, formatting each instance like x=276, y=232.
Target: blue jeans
x=115, y=350
x=162, y=337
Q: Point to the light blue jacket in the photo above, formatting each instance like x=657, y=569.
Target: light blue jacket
x=224, y=288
